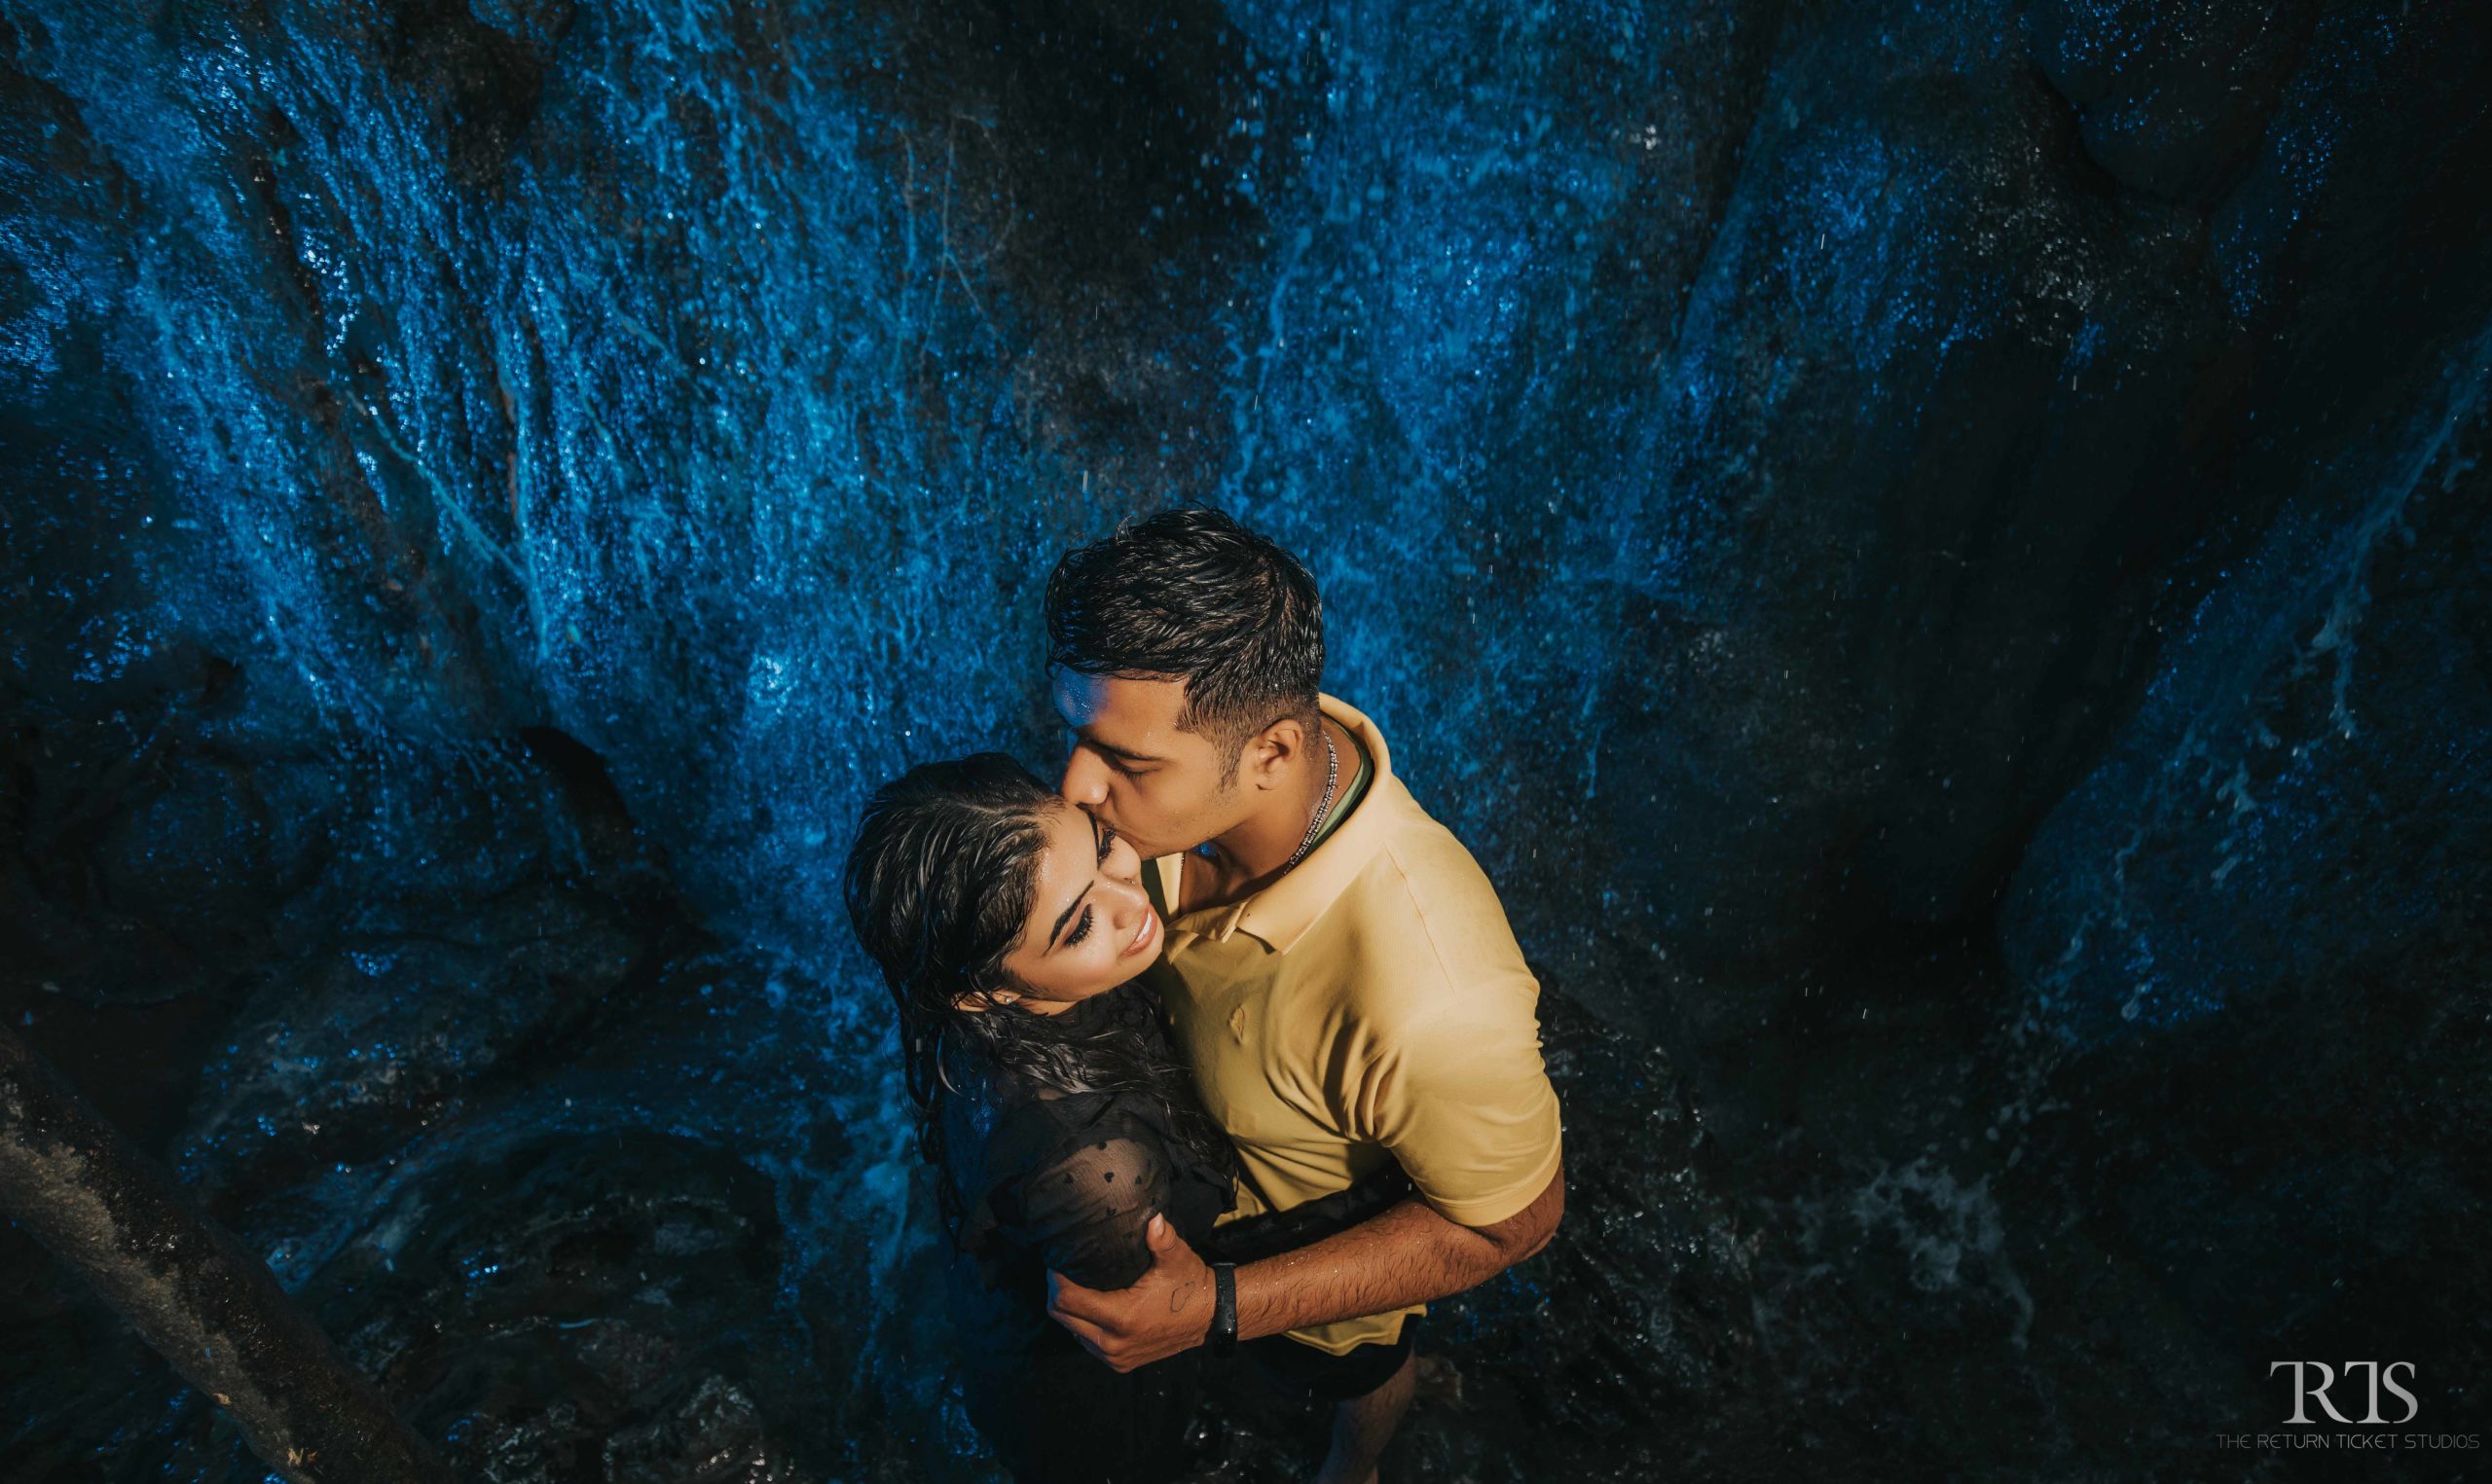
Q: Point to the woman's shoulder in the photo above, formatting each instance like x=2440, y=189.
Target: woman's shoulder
x=1003, y=1120
x=1021, y=1114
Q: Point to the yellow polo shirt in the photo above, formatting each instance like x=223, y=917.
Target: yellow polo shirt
x=1370, y=1006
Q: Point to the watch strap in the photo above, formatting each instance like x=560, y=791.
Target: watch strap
x=1222, y=1340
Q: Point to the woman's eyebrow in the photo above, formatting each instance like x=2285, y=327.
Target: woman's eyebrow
x=1066, y=916
x=1098, y=841
x=1100, y=844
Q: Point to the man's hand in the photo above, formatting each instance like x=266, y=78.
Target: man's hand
x=1166, y=1310
x=1408, y=1253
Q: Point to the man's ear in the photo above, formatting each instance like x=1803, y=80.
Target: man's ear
x=1270, y=752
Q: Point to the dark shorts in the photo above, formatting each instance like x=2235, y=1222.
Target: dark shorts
x=1303, y=1370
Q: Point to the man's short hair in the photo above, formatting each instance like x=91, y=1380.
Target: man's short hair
x=1191, y=594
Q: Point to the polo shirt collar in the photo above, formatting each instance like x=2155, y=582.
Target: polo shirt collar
x=1281, y=913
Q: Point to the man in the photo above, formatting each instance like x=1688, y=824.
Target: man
x=1337, y=972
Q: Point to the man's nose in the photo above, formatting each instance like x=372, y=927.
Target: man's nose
x=1085, y=778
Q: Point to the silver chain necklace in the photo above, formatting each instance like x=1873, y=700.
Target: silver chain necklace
x=1324, y=806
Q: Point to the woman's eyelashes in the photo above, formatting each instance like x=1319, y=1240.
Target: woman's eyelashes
x=1081, y=928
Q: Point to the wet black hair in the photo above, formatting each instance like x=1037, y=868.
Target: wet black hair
x=940, y=885
x=1191, y=594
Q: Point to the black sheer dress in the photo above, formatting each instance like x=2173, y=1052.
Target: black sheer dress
x=1048, y=1179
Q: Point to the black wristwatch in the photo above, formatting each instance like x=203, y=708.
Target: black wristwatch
x=1222, y=1338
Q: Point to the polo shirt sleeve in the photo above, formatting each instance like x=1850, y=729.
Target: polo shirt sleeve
x=1460, y=1097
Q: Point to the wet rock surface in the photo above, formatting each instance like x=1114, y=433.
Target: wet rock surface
x=1934, y=553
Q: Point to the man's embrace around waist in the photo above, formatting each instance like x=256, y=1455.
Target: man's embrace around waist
x=1338, y=973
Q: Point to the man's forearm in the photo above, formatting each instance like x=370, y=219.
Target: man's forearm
x=1405, y=1255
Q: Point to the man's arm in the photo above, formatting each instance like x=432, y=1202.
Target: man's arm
x=1407, y=1255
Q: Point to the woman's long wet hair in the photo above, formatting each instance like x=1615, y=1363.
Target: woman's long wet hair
x=939, y=886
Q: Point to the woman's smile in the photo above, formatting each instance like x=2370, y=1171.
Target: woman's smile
x=1145, y=940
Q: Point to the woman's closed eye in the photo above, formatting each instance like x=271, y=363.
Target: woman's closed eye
x=1106, y=840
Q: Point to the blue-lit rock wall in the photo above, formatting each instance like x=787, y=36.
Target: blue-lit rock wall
x=1933, y=551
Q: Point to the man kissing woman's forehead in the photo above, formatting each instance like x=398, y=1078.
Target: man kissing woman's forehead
x=1221, y=1048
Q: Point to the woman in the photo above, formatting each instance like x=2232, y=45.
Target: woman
x=1009, y=927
